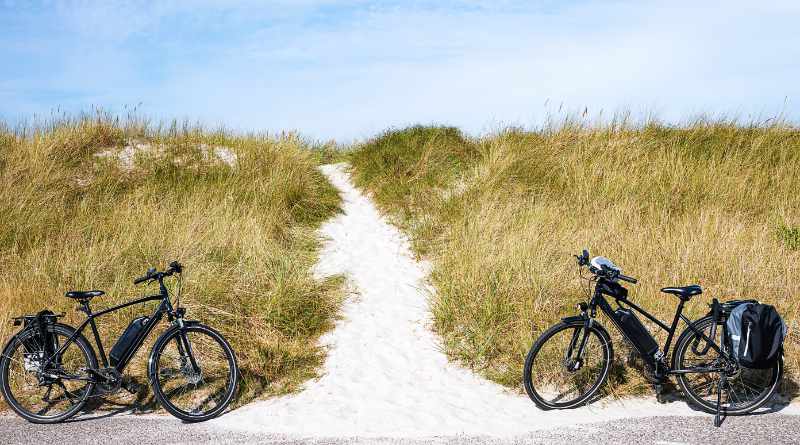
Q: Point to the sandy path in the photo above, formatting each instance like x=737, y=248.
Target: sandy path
x=385, y=375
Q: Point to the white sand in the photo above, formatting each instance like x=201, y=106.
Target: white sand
x=126, y=156
x=385, y=374
x=218, y=153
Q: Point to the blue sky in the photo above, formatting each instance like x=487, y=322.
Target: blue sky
x=348, y=69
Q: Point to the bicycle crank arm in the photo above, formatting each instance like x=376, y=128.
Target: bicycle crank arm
x=97, y=377
x=74, y=377
x=696, y=371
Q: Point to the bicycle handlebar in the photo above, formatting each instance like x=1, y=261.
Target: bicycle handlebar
x=583, y=260
x=152, y=274
x=142, y=279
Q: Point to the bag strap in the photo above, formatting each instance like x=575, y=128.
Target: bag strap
x=43, y=318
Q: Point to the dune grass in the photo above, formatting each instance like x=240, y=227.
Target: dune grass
x=92, y=202
x=715, y=203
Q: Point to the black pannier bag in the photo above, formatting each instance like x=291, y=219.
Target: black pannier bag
x=127, y=340
x=761, y=336
x=42, y=341
x=636, y=333
x=38, y=341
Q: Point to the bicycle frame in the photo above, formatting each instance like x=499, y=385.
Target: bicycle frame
x=599, y=300
x=165, y=308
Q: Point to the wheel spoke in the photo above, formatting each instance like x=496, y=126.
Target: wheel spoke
x=559, y=377
x=194, y=393
x=744, y=390
x=35, y=393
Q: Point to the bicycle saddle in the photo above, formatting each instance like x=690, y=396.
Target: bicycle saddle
x=684, y=292
x=83, y=294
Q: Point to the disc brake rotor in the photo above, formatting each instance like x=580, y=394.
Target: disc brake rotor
x=192, y=377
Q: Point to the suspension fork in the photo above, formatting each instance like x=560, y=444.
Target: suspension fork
x=576, y=337
x=184, y=347
x=176, y=316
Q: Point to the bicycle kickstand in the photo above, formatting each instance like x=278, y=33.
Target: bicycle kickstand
x=717, y=417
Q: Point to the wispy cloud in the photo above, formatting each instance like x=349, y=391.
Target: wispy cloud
x=347, y=69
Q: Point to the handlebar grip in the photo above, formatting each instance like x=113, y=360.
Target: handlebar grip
x=152, y=274
x=176, y=266
x=627, y=278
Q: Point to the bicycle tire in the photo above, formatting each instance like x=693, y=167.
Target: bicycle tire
x=5, y=368
x=682, y=346
x=156, y=368
x=604, y=341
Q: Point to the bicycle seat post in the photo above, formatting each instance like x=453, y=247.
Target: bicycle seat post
x=84, y=307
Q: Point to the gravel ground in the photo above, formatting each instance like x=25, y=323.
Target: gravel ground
x=128, y=429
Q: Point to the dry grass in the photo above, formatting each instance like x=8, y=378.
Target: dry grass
x=714, y=203
x=246, y=233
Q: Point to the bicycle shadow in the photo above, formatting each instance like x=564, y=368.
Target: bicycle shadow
x=671, y=392
x=788, y=390
x=143, y=402
x=780, y=401
x=104, y=407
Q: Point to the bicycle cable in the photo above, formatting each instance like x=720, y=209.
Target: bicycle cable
x=588, y=288
x=179, y=290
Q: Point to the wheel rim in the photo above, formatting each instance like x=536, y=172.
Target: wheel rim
x=36, y=394
x=558, y=380
x=193, y=393
x=744, y=389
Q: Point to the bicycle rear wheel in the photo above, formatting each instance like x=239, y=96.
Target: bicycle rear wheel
x=745, y=391
x=556, y=376
x=193, y=372
x=48, y=394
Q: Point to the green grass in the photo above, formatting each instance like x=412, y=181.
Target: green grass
x=246, y=234
x=500, y=215
x=790, y=237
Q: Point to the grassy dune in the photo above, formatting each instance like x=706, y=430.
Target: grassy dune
x=716, y=203
x=82, y=211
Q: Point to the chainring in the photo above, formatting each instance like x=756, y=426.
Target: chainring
x=635, y=361
x=112, y=383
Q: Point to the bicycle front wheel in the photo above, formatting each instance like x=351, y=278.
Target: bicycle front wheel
x=193, y=372
x=561, y=374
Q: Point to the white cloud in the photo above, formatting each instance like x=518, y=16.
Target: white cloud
x=334, y=70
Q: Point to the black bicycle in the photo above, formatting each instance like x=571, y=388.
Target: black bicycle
x=568, y=363
x=48, y=370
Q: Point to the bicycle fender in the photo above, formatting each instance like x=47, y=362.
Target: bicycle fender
x=593, y=323
x=151, y=368
x=582, y=318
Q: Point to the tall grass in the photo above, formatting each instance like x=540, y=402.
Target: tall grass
x=714, y=203
x=73, y=216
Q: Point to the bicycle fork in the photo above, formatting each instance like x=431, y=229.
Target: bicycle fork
x=185, y=349
x=575, y=363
